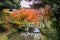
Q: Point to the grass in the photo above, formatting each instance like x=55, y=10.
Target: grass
x=3, y=37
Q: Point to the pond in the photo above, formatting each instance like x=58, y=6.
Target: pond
x=27, y=35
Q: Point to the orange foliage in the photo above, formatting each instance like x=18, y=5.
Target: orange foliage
x=15, y=14
x=31, y=15
x=7, y=18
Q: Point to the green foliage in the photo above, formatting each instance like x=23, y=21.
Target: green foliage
x=9, y=4
x=3, y=37
x=22, y=26
x=55, y=5
x=55, y=19
x=50, y=33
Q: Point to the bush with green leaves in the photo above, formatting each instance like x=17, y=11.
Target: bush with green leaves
x=9, y=4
